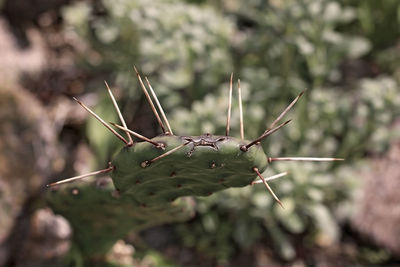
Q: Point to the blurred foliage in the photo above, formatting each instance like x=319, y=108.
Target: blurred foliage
x=295, y=44
x=389, y=59
x=379, y=21
x=152, y=258
x=180, y=47
x=246, y=216
x=278, y=48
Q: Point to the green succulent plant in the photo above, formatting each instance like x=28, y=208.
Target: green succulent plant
x=276, y=47
x=150, y=177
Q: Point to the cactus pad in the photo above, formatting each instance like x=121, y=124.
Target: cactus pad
x=151, y=177
x=99, y=218
x=202, y=165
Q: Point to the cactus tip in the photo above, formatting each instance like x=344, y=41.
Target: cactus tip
x=130, y=143
x=148, y=162
x=281, y=204
x=101, y=121
x=240, y=111
x=134, y=67
x=81, y=176
x=303, y=159
x=153, y=108
x=159, y=107
x=144, y=138
x=273, y=177
x=255, y=169
x=267, y=133
x=228, y=118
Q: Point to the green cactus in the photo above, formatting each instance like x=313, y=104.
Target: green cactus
x=110, y=217
x=150, y=177
x=201, y=165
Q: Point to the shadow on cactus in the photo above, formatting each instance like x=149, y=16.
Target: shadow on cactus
x=151, y=178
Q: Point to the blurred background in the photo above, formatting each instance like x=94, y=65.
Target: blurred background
x=345, y=53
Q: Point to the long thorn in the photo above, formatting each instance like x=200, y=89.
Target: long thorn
x=240, y=111
x=264, y=135
x=159, y=106
x=284, y=112
x=81, y=176
x=147, y=163
x=267, y=186
x=102, y=121
x=303, y=159
x=228, y=118
x=119, y=113
x=273, y=177
x=149, y=100
x=138, y=135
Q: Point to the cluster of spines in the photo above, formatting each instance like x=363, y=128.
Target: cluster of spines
x=166, y=128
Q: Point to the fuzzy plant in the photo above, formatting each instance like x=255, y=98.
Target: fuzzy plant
x=152, y=178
